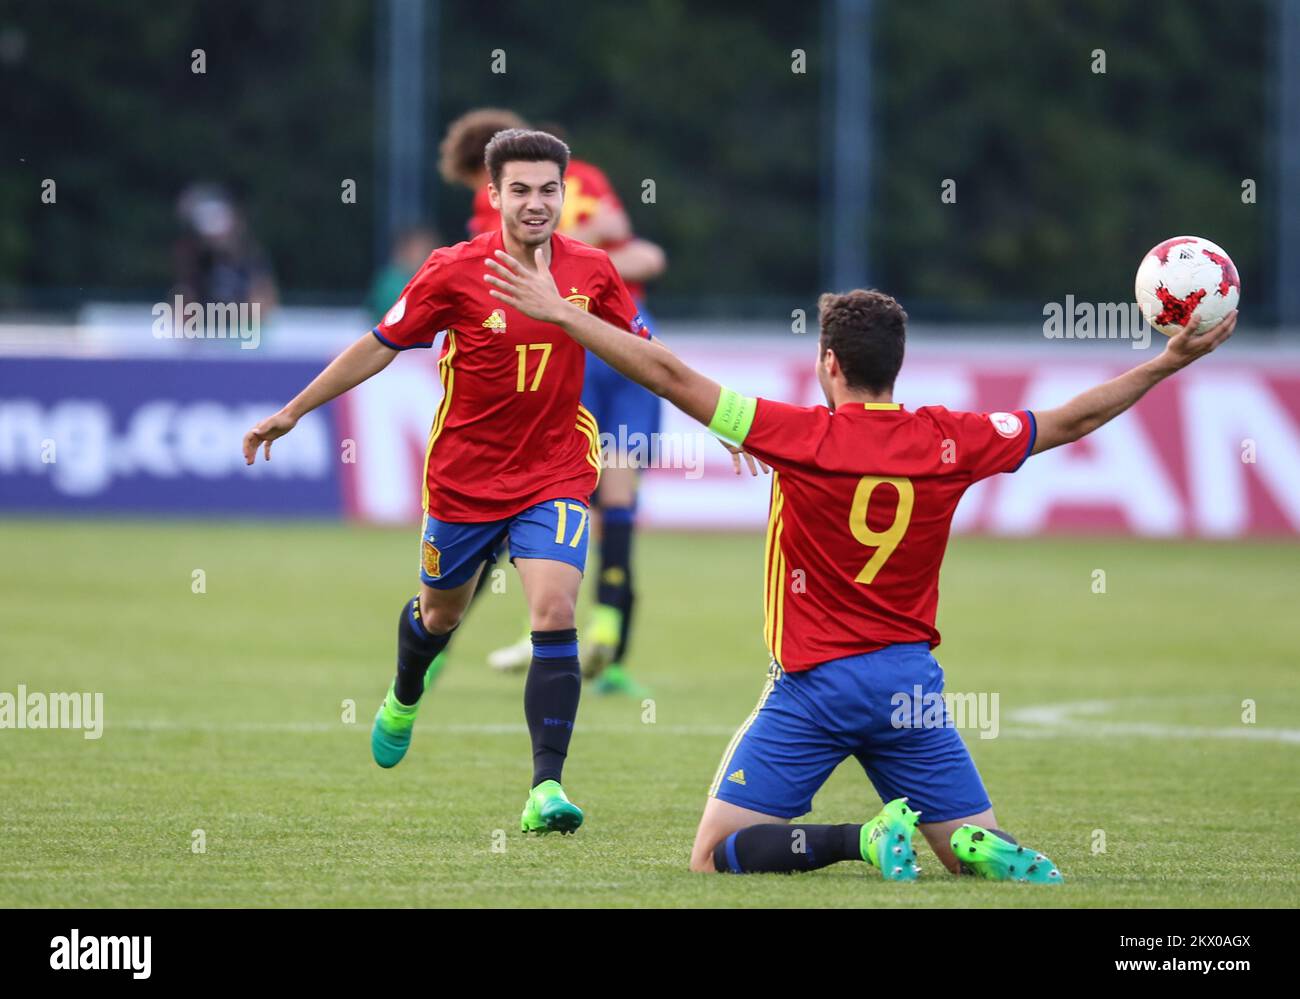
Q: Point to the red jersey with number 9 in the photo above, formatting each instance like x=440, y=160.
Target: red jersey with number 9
x=510, y=431
x=862, y=503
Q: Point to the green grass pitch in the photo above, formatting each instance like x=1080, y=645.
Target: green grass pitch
x=224, y=713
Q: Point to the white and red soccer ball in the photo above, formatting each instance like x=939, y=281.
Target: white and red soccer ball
x=1184, y=277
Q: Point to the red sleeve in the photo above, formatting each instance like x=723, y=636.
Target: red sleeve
x=783, y=435
x=423, y=310
x=988, y=443
x=615, y=304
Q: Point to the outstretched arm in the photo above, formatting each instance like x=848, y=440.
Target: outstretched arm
x=1091, y=409
x=366, y=357
x=653, y=365
x=533, y=292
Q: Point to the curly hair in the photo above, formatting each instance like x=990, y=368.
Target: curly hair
x=868, y=331
x=460, y=156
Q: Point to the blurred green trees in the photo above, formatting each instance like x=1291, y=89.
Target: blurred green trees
x=1063, y=175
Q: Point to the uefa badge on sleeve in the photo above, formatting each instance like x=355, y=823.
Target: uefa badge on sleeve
x=394, y=315
x=1006, y=424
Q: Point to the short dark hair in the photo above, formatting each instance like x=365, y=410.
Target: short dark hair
x=523, y=144
x=867, y=330
x=461, y=152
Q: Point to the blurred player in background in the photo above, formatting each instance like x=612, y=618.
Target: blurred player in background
x=411, y=248
x=594, y=214
x=512, y=453
x=863, y=496
x=216, y=258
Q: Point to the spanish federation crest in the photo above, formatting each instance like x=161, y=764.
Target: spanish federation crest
x=581, y=301
x=432, y=560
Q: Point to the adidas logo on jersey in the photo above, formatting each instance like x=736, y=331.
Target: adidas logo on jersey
x=738, y=777
x=496, y=321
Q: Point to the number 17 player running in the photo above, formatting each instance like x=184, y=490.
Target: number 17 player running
x=512, y=454
x=863, y=494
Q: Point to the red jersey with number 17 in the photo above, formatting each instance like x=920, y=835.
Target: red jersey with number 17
x=510, y=431
x=862, y=502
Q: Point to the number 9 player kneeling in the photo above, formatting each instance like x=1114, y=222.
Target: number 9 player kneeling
x=863, y=494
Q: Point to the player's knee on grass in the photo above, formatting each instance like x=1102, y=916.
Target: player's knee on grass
x=702, y=858
x=707, y=838
x=706, y=841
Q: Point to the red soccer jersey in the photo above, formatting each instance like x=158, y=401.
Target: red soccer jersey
x=862, y=502
x=510, y=431
x=585, y=188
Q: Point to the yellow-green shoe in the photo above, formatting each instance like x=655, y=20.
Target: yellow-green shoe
x=615, y=680
x=987, y=855
x=390, y=736
x=886, y=842
x=548, y=810
x=600, y=641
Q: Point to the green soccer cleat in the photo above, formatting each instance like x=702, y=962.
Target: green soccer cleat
x=615, y=680
x=989, y=856
x=886, y=842
x=600, y=643
x=390, y=736
x=548, y=810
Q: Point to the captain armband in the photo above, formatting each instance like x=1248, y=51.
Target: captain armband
x=734, y=416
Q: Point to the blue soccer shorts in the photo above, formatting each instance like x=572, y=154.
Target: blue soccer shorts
x=807, y=723
x=555, y=529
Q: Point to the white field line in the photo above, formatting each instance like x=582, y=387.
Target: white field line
x=310, y=728
x=1077, y=719
x=1062, y=720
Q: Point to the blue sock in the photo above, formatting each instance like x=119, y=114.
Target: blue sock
x=776, y=848
x=416, y=648
x=615, y=580
x=551, y=700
